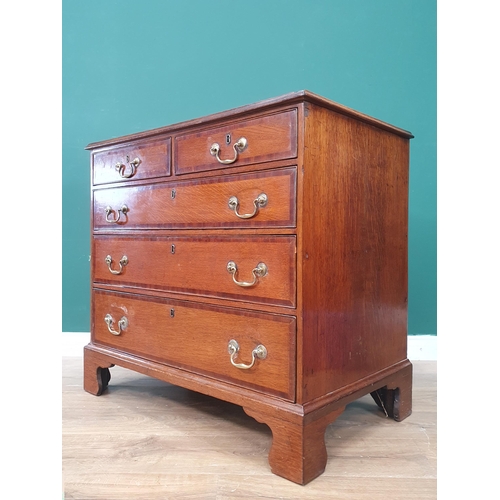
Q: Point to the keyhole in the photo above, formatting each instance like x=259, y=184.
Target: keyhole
x=228, y=139
x=172, y=194
x=172, y=248
x=172, y=312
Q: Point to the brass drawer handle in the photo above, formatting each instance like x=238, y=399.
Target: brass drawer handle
x=121, y=167
x=123, y=262
x=258, y=272
x=233, y=347
x=260, y=201
x=123, y=210
x=239, y=146
x=122, y=324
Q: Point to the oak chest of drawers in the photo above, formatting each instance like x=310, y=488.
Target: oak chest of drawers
x=258, y=255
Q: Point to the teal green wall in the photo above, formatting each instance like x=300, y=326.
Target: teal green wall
x=131, y=65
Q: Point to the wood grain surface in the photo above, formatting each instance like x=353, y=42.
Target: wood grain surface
x=355, y=238
x=198, y=265
x=195, y=337
x=201, y=204
x=269, y=137
x=154, y=157
x=144, y=439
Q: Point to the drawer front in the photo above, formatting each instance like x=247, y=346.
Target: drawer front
x=201, y=203
x=196, y=338
x=144, y=160
x=200, y=266
x=266, y=138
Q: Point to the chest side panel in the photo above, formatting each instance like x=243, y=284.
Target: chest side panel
x=354, y=251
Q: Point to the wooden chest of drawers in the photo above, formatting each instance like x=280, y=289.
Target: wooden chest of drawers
x=259, y=256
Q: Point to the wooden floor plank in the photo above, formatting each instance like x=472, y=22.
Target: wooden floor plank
x=145, y=439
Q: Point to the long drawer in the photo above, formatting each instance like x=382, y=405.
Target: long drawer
x=201, y=338
x=253, y=140
x=134, y=161
x=258, y=269
x=258, y=199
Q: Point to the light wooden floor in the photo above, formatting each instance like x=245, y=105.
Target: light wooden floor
x=144, y=440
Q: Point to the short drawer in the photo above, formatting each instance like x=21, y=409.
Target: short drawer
x=255, y=140
x=265, y=198
x=197, y=337
x=141, y=160
x=254, y=269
